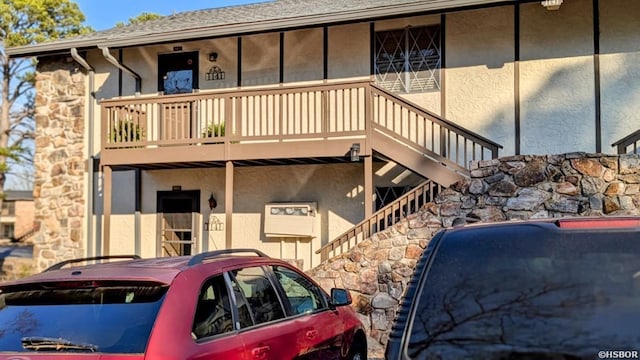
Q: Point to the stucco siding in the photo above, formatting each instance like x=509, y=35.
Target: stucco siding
x=557, y=79
x=303, y=55
x=479, y=88
x=620, y=69
x=349, y=51
x=260, y=59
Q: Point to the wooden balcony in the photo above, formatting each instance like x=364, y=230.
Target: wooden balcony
x=316, y=121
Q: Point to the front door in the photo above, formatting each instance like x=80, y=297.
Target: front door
x=177, y=74
x=177, y=222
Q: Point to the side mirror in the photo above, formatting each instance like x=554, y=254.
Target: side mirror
x=340, y=297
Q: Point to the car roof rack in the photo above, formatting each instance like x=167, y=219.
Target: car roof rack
x=73, y=261
x=199, y=258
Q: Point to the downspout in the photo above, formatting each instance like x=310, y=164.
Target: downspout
x=137, y=215
x=90, y=144
x=111, y=59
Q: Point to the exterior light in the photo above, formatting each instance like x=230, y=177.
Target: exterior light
x=552, y=4
x=212, y=202
x=354, y=152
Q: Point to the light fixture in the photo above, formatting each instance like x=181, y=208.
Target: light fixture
x=552, y=4
x=354, y=152
x=213, y=56
x=212, y=202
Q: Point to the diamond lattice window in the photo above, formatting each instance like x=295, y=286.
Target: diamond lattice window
x=408, y=60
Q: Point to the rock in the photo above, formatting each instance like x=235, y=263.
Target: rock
x=528, y=199
x=588, y=167
x=531, y=174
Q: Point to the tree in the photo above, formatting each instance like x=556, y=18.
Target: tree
x=26, y=22
x=143, y=17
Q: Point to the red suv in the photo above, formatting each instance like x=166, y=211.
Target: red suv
x=213, y=305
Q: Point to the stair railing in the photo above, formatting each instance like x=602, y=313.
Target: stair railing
x=389, y=215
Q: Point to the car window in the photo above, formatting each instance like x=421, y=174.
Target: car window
x=524, y=292
x=213, y=311
x=107, y=318
x=303, y=296
x=263, y=303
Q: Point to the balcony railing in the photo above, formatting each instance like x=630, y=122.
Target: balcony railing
x=630, y=144
x=285, y=114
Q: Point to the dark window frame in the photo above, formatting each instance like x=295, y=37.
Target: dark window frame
x=408, y=60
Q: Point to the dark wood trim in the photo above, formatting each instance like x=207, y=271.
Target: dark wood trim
x=228, y=204
x=106, y=210
x=239, y=61
x=137, y=212
x=325, y=52
x=596, y=74
x=368, y=187
x=281, y=65
x=516, y=75
x=372, y=49
x=443, y=66
x=121, y=60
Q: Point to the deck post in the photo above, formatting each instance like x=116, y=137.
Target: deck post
x=106, y=209
x=228, y=204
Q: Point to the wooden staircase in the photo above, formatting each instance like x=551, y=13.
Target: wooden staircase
x=423, y=142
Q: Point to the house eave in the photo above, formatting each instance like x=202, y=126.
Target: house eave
x=137, y=39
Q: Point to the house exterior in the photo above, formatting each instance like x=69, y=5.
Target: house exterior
x=17, y=216
x=281, y=125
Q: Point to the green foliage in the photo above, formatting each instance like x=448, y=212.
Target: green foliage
x=22, y=23
x=144, y=17
x=213, y=130
x=126, y=131
x=26, y=22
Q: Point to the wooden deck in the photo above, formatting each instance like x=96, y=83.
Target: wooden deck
x=280, y=123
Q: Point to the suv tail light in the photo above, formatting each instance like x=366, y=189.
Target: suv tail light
x=598, y=223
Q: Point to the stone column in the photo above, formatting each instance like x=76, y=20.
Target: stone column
x=59, y=161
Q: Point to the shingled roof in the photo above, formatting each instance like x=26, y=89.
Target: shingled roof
x=243, y=19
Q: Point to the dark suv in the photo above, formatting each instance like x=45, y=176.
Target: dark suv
x=215, y=305
x=544, y=289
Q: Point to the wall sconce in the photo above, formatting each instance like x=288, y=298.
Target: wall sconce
x=552, y=4
x=213, y=56
x=212, y=202
x=354, y=152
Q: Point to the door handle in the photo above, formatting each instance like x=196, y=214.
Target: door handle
x=260, y=352
x=310, y=334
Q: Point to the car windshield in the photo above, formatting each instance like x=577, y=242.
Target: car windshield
x=79, y=317
x=524, y=293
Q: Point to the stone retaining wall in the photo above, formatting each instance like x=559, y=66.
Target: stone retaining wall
x=378, y=269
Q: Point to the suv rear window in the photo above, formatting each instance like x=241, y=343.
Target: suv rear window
x=525, y=291
x=89, y=316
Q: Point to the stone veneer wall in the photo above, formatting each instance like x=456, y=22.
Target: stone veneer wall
x=377, y=270
x=59, y=161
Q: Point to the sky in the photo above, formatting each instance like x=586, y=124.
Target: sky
x=104, y=14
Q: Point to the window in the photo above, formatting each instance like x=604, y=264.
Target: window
x=304, y=296
x=255, y=289
x=8, y=208
x=213, y=312
x=408, y=60
x=7, y=230
x=111, y=318
x=523, y=292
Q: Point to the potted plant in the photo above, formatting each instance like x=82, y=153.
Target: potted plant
x=126, y=131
